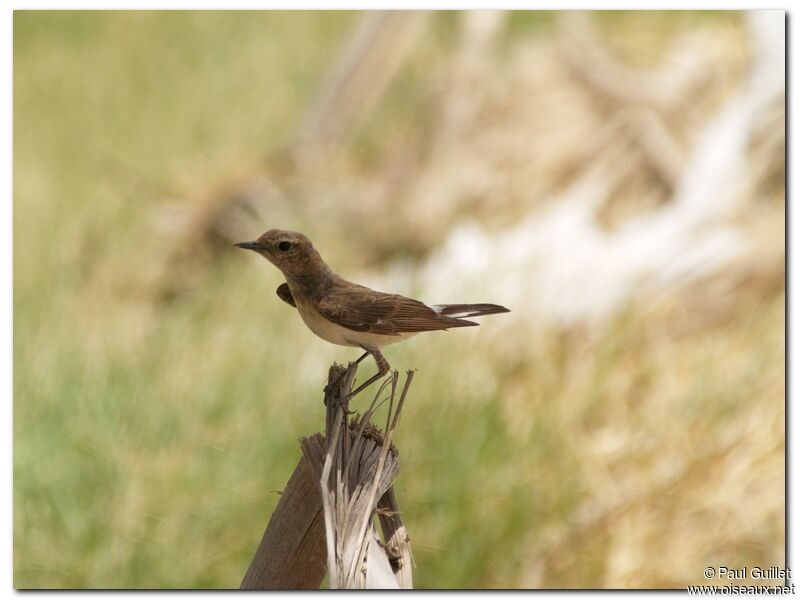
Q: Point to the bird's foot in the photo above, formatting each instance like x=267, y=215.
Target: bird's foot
x=367, y=383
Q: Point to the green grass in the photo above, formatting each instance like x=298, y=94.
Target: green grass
x=150, y=438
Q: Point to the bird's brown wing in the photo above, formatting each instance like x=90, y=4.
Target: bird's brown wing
x=285, y=294
x=362, y=309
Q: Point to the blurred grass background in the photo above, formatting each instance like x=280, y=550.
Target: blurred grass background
x=152, y=429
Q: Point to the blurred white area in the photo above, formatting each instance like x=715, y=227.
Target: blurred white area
x=559, y=264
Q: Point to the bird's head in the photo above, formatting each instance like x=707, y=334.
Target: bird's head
x=290, y=251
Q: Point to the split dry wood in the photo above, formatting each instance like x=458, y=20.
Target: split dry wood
x=327, y=510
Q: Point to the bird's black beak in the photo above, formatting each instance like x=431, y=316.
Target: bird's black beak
x=249, y=245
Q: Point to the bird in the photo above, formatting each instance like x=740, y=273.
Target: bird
x=349, y=314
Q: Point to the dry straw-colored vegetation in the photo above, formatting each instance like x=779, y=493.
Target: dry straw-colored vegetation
x=616, y=179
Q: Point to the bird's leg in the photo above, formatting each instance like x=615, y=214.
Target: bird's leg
x=383, y=369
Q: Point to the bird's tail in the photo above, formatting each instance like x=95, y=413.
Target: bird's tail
x=465, y=311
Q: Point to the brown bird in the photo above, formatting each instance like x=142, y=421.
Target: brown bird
x=349, y=314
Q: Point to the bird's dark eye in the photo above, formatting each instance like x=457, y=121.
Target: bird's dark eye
x=284, y=246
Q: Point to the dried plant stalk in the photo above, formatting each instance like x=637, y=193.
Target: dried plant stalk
x=327, y=510
x=358, y=466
